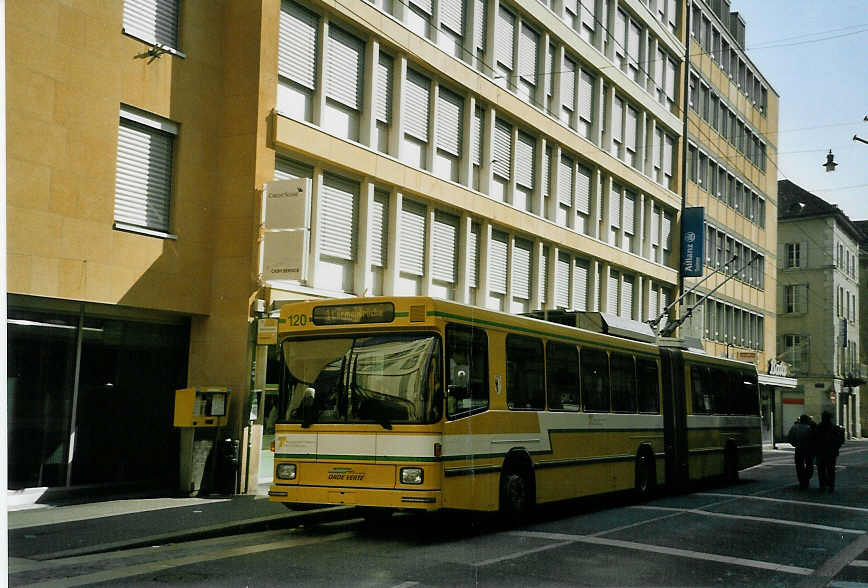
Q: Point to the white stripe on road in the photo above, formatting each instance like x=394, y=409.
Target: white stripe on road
x=722, y=515
x=859, y=563
x=781, y=501
x=519, y=554
x=738, y=561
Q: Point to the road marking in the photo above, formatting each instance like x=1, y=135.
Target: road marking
x=686, y=553
x=405, y=585
x=722, y=515
x=838, y=562
x=782, y=501
x=859, y=563
x=159, y=566
x=636, y=524
x=519, y=554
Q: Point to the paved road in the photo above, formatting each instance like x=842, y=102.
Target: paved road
x=762, y=531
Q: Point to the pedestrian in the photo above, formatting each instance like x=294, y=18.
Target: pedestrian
x=801, y=436
x=829, y=438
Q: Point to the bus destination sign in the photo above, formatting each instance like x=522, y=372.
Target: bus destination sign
x=352, y=314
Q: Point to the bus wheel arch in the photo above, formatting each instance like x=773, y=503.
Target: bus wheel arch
x=730, y=461
x=517, y=487
x=645, y=472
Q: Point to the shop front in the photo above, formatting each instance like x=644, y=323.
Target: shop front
x=780, y=400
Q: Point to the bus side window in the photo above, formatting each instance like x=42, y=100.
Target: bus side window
x=719, y=387
x=701, y=396
x=750, y=393
x=623, y=383
x=649, y=394
x=562, y=376
x=524, y=373
x=595, y=380
x=466, y=370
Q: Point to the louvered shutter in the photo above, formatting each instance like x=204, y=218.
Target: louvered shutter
x=345, y=68
x=583, y=190
x=672, y=12
x=629, y=212
x=412, y=243
x=617, y=119
x=580, y=285
x=664, y=302
x=572, y=6
x=562, y=281
x=450, y=122
x=445, y=247
x=497, y=256
x=452, y=15
x=612, y=293
x=544, y=281
x=152, y=20
x=586, y=93
x=473, y=256
x=666, y=237
x=143, y=178
x=615, y=206
x=383, y=89
x=285, y=169
x=565, y=181
x=339, y=203
x=525, y=160
x=632, y=119
x=550, y=64
x=627, y=298
x=527, y=54
x=660, y=70
x=547, y=171
x=504, y=38
x=521, y=268
x=653, y=308
x=620, y=32
x=478, y=128
x=502, y=148
x=568, y=83
x=633, y=44
x=480, y=21
x=657, y=147
x=670, y=80
x=416, y=102
x=425, y=6
x=297, y=45
x=378, y=223
x=668, y=148
x=655, y=226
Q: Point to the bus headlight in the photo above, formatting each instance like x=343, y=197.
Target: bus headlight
x=412, y=475
x=286, y=471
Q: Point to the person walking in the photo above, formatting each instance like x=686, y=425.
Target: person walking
x=801, y=436
x=829, y=438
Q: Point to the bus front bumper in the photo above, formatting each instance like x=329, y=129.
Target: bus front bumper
x=325, y=496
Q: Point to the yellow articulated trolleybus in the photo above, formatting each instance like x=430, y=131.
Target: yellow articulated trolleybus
x=425, y=404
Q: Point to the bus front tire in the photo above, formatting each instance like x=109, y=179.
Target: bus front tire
x=515, y=497
x=646, y=475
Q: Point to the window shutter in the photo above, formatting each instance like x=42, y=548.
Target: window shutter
x=580, y=285
x=547, y=171
x=339, y=202
x=527, y=54
x=629, y=212
x=612, y=293
x=672, y=12
x=525, y=160
x=565, y=181
x=450, y=123
x=416, y=101
x=632, y=119
x=544, y=274
x=445, y=247
x=803, y=254
x=152, y=20
x=297, y=46
x=583, y=190
x=670, y=80
x=668, y=148
x=480, y=20
x=423, y=5
x=345, y=68
x=657, y=147
x=655, y=226
x=452, y=15
x=378, y=223
x=667, y=232
x=617, y=119
x=383, y=89
x=497, y=256
x=633, y=44
x=586, y=94
x=615, y=206
x=568, y=83
x=143, y=178
x=653, y=307
x=620, y=32
x=562, y=281
x=502, y=148
x=627, y=298
x=521, y=268
x=505, y=37
x=412, y=242
x=473, y=256
x=660, y=69
x=478, y=128
x=286, y=169
x=550, y=64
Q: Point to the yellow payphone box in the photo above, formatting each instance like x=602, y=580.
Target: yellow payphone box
x=202, y=406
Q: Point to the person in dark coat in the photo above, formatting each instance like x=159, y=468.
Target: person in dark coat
x=801, y=436
x=829, y=438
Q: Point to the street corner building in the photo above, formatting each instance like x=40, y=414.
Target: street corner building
x=514, y=155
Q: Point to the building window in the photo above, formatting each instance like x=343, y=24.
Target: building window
x=143, y=180
x=794, y=255
x=297, y=60
x=796, y=298
x=796, y=352
x=154, y=21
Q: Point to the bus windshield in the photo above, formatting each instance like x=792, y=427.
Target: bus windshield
x=381, y=379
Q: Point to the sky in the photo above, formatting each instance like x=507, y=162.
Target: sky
x=815, y=56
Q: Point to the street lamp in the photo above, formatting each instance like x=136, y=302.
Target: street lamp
x=830, y=164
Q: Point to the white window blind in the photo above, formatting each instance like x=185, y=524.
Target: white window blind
x=565, y=181
x=653, y=308
x=617, y=119
x=521, y=268
x=473, y=256
x=670, y=80
x=620, y=32
x=586, y=96
x=416, y=96
x=547, y=171
x=378, y=223
x=562, y=281
x=580, y=285
x=478, y=128
x=480, y=22
x=339, y=204
x=412, y=242
x=505, y=38
x=612, y=293
x=633, y=44
x=345, y=68
x=527, y=54
x=297, y=44
x=286, y=169
x=615, y=206
x=450, y=121
x=568, y=83
x=666, y=237
x=660, y=70
x=502, y=148
x=668, y=148
x=544, y=274
x=452, y=15
x=143, y=177
x=657, y=147
x=629, y=212
x=627, y=298
x=425, y=6
x=152, y=20
x=583, y=190
x=525, y=160
x=497, y=256
x=632, y=120
x=383, y=89
x=655, y=226
x=444, y=265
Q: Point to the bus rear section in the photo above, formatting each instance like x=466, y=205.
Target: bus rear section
x=360, y=420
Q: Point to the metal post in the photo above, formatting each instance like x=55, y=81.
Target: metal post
x=70, y=450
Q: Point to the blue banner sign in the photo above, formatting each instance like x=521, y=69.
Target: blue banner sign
x=692, y=241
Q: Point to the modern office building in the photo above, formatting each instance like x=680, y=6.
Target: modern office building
x=516, y=155
x=819, y=318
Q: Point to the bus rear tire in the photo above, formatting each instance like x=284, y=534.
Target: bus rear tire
x=646, y=475
x=516, y=498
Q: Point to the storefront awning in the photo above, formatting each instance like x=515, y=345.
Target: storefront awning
x=777, y=381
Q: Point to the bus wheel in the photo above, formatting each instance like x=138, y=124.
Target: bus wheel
x=730, y=464
x=515, y=497
x=646, y=475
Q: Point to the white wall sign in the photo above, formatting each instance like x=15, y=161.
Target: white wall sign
x=284, y=255
x=286, y=204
